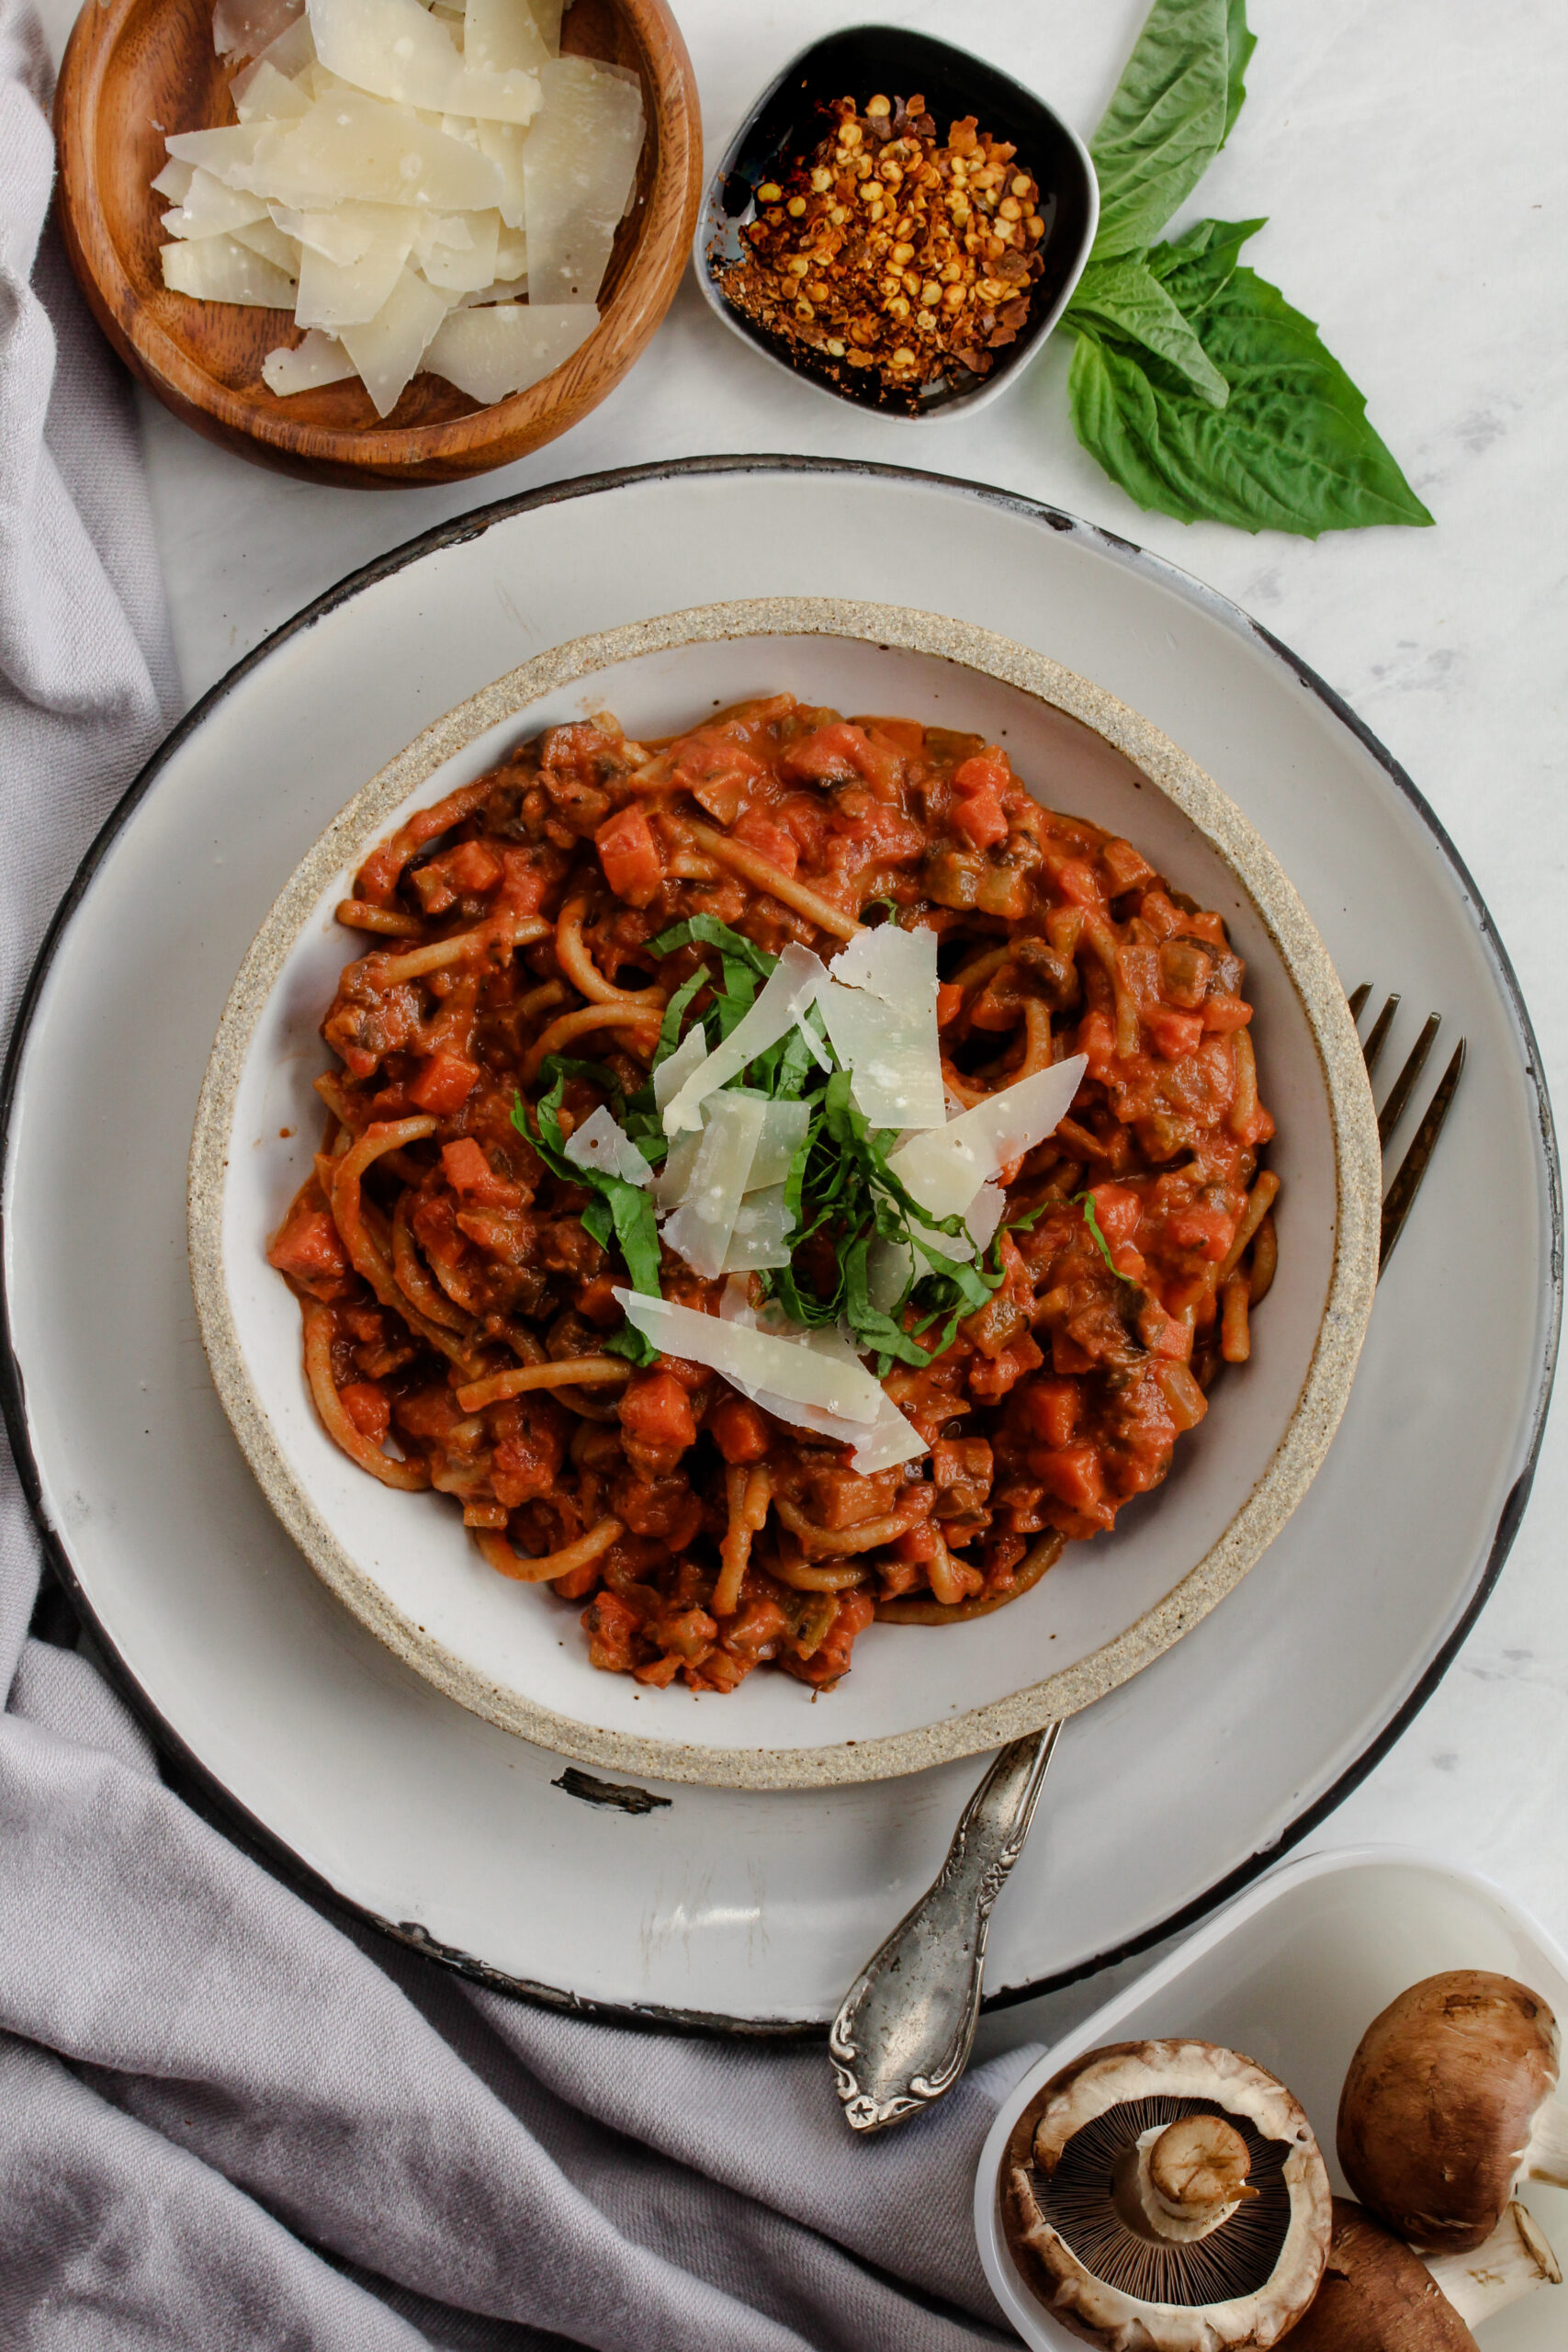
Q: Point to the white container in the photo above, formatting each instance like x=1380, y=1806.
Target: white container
x=1292, y=1975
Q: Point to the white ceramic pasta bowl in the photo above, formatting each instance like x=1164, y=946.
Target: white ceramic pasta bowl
x=405, y=1564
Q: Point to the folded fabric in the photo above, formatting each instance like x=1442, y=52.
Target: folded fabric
x=225, y=2121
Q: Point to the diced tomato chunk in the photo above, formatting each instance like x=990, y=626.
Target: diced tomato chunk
x=656, y=1410
x=468, y=1173
x=444, y=1084
x=629, y=857
x=980, y=818
x=737, y=1428
x=1175, y=1034
x=1050, y=1409
x=473, y=868
x=367, y=1409
x=832, y=755
x=1127, y=866
x=987, y=774
x=1072, y=1473
x=1078, y=883
x=922, y=1542
x=1224, y=1013
x=1117, y=1209
x=1204, y=1227
x=308, y=1249
x=770, y=841
x=949, y=999
x=525, y=883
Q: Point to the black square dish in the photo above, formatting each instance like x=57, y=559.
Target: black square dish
x=787, y=122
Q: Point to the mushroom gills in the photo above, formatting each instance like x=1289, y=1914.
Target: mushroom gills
x=1104, y=2203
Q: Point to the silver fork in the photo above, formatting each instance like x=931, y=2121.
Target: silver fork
x=903, y=2034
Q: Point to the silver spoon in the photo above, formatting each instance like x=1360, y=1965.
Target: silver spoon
x=903, y=2035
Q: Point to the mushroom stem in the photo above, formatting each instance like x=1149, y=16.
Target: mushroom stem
x=1180, y=2181
x=1546, y=2156
x=1514, y=2259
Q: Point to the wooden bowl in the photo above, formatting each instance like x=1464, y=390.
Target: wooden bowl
x=132, y=65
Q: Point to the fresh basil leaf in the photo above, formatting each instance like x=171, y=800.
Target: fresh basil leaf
x=1127, y=298
x=597, y=1220
x=633, y=1344
x=1199, y=264
x=675, y=1014
x=707, y=931
x=1086, y=1201
x=1291, y=451
x=636, y=1232
x=616, y=1206
x=1167, y=118
x=1240, y=44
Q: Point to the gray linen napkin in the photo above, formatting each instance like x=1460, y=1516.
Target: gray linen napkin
x=224, y=2122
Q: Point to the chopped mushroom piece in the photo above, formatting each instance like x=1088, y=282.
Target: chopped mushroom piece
x=1450, y=2102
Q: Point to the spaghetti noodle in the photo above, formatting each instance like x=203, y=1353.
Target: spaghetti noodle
x=460, y=1321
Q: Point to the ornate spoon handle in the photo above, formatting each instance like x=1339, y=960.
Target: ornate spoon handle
x=903, y=2034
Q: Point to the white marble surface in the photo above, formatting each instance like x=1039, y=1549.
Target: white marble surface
x=1411, y=161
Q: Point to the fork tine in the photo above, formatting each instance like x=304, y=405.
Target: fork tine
x=1417, y=1159
x=1377, y=1035
x=1403, y=1086
x=1357, y=998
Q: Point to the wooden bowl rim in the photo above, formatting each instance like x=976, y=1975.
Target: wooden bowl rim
x=619, y=335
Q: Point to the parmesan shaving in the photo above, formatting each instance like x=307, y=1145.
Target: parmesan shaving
x=789, y=990
x=216, y=269
x=268, y=95
x=753, y=1360
x=579, y=169
x=898, y=966
x=211, y=210
x=396, y=50
x=761, y=1234
x=701, y=1227
x=784, y=1131
x=891, y=1052
x=244, y=27
x=503, y=349
x=335, y=294
x=676, y=1068
x=501, y=34
x=318, y=360
x=261, y=237
x=945, y=1167
x=601, y=1142
x=388, y=351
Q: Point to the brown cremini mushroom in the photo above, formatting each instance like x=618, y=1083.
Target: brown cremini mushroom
x=1167, y=2197
x=1450, y=2102
x=1379, y=2296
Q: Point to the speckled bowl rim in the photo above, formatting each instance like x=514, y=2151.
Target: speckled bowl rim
x=1319, y=1403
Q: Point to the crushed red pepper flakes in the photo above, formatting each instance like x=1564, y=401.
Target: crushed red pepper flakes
x=883, y=251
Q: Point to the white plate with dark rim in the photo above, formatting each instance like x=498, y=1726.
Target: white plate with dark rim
x=745, y=1908
x=406, y=1566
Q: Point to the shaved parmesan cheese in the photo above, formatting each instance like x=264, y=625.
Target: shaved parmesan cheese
x=173, y=181
x=547, y=14
x=791, y=988
x=676, y=1068
x=701, y=1227
x=893, y=1441
x=318, y=360
x=244, y=27
x=467, y=268
x=761, y=1234
x=216, y=269
x=261, y=237
x=344, y=236
x=351, y=147
x=268, y=95
x=211, y=210
x=891, y=1052
x=945, y=1167
x=675, y=1178
x=227, y=153
x=888, y=1265
x=388, y=351
x=753, y=1361
x=784, y=1132
x=349, y=294
x=504, y=349
x=898, y=966
x=289, y=55
x=397, y=49
x=578, y=168
x=503, y=143
x=500, y=34
x=601, y=1142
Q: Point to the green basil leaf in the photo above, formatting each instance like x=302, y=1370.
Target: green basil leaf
x=707, y=931
x=1240, y=44
x=1127, y=298
x=561, y=1066
x=633, y=1344
x=1167, y=120
x=597, y=1220
x=616, y=1206
x=1199, y=264
x=636, y=1232
x=675, y=1014
x=1291, y=451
